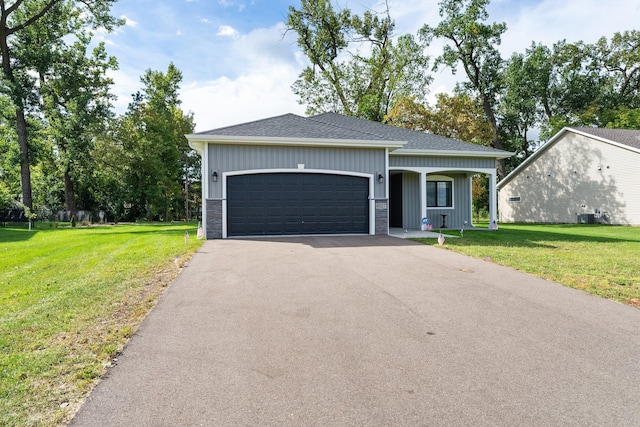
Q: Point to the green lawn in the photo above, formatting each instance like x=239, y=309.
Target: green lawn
x=602, y=260
x=69, y=299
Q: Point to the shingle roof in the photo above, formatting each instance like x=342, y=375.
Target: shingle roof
x=341, y=127
x=630, y=137
x=291, y=126
x=416, y=140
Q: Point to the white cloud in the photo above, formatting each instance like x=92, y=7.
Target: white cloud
x=223, y=101
x=128, y=21
x=262, y=88
x=226, y=31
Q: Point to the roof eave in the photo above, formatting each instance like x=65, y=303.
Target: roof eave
x=317, y=142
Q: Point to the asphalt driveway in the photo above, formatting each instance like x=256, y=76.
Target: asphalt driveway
x=370, y=331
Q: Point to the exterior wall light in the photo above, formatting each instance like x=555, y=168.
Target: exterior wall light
x=214, y=176
x=380, y=178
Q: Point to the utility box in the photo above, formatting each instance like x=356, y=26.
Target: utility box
x=586, y=218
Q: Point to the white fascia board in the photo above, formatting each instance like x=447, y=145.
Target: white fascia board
x=452, y=153
x=314, y=142
x=608, y=141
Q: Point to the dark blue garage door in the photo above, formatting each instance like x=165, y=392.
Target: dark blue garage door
x=297, y=203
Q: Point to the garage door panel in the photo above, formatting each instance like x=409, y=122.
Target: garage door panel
x=297, y=203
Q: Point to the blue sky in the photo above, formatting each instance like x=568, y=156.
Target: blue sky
x=238, y=64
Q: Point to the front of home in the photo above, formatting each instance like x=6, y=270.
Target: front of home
x=580, y=175
x=333, y=174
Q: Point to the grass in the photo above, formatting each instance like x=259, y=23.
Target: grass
x=69, y=299
x=602, y=260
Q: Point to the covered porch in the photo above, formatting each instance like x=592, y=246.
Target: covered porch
x=441, y=195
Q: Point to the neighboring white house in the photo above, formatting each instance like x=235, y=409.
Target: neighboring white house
x=579, y=175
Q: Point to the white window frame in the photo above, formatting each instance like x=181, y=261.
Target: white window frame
x=437, y=178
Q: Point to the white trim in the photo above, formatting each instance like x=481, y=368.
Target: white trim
x=493, y=200
x=370, y=177
x=603, y=139
x=441, y=178
x=282, y=141
x=386, y=189
x=204, y=171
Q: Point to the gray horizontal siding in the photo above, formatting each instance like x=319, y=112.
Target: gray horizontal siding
x=441, y=162
x=229, y=158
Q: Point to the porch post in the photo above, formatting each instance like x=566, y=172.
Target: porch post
x=493, y=199
x=423, y=195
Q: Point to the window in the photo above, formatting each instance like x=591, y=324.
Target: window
x=514, y=199
x=439, y=192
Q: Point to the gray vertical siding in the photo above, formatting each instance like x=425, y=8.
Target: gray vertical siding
x=461, y=203
x=411, y=209
x=441, y=162
x=411, y=200
x=229, y=158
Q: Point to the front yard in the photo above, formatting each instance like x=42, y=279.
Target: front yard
x=69, y=299
x=602, y=260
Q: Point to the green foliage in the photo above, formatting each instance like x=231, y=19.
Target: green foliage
x=31, y=31
x=474, y=45
x=144, y=160
x=73, y=221
x=455, y=116
x=359, y=68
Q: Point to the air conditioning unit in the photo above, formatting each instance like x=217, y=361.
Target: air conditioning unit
x=586, y=218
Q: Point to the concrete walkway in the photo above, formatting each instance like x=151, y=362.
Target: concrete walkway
x=370, y=331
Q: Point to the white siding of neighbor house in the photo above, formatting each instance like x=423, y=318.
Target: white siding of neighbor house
x=575, y=175
x=231, y=158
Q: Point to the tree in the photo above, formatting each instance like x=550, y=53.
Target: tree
x=474, y=45
x=456, y=116
x=18, y=64
x=151, y=148
x=358, y=67
x=77, y=103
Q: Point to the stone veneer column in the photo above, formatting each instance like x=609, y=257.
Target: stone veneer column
x=214, y=219
x=382, y=217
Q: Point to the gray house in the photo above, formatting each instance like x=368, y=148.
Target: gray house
x=580, y=175
x=334, y=174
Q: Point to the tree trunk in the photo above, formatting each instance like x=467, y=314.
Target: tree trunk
x=497, y=141
x=69, y=192
x=25, y=171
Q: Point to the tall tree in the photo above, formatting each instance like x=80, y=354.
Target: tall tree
x=154, y=147
x=358, y=67
x=473, y=44
x=17, y=67
x=77, y=104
